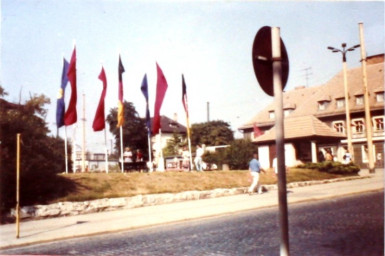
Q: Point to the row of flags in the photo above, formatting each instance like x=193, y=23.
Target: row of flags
x=69, y=116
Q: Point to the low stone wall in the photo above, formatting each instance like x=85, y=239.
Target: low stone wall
x=109, y=204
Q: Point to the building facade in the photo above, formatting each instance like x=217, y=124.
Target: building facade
x=315, y=120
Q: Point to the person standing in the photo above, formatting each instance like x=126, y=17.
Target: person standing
x=198, y=158
x=255, y=170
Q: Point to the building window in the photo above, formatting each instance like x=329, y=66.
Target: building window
x=380, y=96
x=359, y=125
x=271, y=114
x=322, y=105
x=287, y=112
x=339, y=126
x=378, y=123
x=359, y=100
x=340, y=102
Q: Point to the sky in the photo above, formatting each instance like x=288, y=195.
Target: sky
x=210, y=42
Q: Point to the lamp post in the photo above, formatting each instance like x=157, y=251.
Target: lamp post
x=347, y=110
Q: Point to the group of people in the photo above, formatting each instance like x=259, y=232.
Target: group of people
x=347, y=158
x=130, y=157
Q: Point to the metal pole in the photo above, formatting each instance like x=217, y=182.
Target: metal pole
x=121, y=148
x=368, y=120
x=84, y=135
x=149, y=151
x=208, y=111
x=347, y=109
x=106, y=150
x=65, y=149
x=18, y=185
x=279, y=124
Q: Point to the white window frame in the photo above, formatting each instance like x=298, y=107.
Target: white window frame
x=340, y=102
x=379, y=96
x=360, y=100
x=271, y=114
x=374, y=120
x=355, y=126
x=337, y=125
x=322, y=105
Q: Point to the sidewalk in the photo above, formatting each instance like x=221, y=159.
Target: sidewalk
x=39, y=231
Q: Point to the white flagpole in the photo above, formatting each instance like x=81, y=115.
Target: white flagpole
x=106, y=151
x=65, y=148
x=121, y=148
x=161, y=160
x=149, y=151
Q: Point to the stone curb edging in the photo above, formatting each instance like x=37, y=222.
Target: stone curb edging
x=62, y=209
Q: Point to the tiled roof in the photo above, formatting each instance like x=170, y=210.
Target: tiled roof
x=170, y=126
x=306, y=99
x=301, y=127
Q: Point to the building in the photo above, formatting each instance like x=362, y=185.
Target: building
x=315, y=120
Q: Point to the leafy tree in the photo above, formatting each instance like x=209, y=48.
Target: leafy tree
x=213, y=133
x=134, y=129
x=174, y=145
x=42, y=156
x=239, y=154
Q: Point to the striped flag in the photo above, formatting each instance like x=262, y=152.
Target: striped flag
x=60, y=104
x=120, y=116
x=144, y=89
x=70, y=116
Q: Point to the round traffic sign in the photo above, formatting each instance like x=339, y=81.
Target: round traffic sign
x=263, y=60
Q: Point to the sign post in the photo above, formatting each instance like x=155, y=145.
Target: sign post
x=271, y=66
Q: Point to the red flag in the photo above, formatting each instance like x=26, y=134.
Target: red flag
x=257, y=131
x=161, y=88
x=120, y=102
x=70, y=116
x=99, y=122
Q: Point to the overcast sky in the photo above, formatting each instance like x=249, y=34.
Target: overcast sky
x=209, y=42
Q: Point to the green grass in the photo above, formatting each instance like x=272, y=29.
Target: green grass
x=90, y=186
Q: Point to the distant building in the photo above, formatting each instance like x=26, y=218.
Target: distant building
x=314, y=119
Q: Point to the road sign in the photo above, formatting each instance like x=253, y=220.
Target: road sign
x=263, y=60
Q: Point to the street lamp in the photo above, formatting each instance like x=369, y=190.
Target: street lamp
x=347, y=110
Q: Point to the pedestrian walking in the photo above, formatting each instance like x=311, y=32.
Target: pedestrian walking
x=198, y=158
x=255, y=170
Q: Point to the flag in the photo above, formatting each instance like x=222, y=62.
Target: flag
x=70, y=116
x=99, y=122
x=60, y=104
x=144, y=89
x=257, y=131
x=184, y=96
x=161, y=88
x=120, y=117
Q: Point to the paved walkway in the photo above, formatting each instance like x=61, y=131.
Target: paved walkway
x=38, y=231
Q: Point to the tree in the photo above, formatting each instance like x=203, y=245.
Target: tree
x=134, y=129
x=213, y=133
x=42, y=156
x=173, y=146
x=239, y=154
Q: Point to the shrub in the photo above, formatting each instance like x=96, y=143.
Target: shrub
x=332, y=167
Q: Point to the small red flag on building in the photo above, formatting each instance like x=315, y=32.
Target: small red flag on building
x=99, y=121
x=161, y=88
x=70, y=116
x=257, y=131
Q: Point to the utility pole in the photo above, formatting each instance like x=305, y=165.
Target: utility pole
x=368, y=121
x=307, y=75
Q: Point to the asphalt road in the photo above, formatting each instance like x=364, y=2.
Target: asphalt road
x=351, y=226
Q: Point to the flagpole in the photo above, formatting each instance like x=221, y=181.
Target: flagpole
x=106, y=151
x=161, y=160
x=149, y=151
x=121, y=148
x=189, y=141
x=65, y=148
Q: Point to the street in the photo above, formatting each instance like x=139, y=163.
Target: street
x=350, y=225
